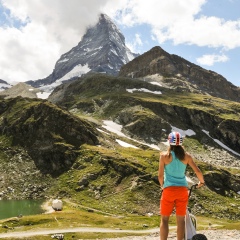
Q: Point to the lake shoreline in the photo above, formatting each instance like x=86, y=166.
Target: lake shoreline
x=47, y=207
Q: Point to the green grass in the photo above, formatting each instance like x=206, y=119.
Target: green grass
x=84, y=235
x=124, y=178
x=196, y=102
x=73, y=216
x=123, y=185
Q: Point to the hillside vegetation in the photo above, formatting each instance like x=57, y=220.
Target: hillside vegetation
x=62, y=149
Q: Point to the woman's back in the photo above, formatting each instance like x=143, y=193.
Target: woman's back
x=174, y=172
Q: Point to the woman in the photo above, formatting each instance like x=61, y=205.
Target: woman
x=171, y=175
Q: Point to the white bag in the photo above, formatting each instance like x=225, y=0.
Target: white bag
x=190, y=229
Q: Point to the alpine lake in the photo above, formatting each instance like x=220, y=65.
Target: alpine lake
x=18, y=208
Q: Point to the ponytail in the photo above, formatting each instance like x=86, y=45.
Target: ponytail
x=178, y=150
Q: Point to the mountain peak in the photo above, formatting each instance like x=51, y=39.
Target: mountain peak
x=106, y=20
x=175, y=72
x=104, y=17
x=101, y=49
x=20, y=89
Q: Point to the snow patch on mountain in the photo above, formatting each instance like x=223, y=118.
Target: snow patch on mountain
x=63, y=60
x=124, y=144
x=188, y=132
x=43, y=95
x=221, y=144
x=117, y=129
x=156, y=83
x=113, y=127
x=143, y=90
x=77, y=71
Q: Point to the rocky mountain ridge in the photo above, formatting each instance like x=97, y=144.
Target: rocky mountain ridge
x=148, y=115
x=102, y=49
x=175, y=72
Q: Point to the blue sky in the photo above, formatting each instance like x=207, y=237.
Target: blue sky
x=34, y=34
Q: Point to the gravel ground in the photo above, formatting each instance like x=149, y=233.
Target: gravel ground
x=210, y=234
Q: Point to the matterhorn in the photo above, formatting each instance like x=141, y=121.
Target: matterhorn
x=101, y=49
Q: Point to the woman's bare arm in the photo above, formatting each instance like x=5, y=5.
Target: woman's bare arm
x=195, y=168
x=161, y=170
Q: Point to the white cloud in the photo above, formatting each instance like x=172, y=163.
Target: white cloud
x=209, y=60
x=205, y=31
x=51, y=29
x=181, y=22
x=138, y=39
x=158, y=13
x=26, y=54
x=133, y=46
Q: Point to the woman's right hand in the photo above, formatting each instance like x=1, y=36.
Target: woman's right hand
x=200, y=184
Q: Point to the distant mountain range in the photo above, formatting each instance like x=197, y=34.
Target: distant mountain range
x=103, y=50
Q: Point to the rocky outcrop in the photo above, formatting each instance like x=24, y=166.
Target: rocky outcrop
x=198, y=120
x=222, y=182
x=51, y=136
x=140, y=123
x=228, y=131
x=153, y=124
x=180, y=72
x=19, y=176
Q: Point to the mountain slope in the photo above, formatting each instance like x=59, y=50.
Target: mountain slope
x=147, y=113
x=173, y=71
x=47, y=152
x=128, y=102
x=102, y=49
x=50, y=135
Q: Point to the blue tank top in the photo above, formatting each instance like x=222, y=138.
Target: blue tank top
x=174, y=173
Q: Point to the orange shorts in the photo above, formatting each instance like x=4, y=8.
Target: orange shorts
x=174, y=196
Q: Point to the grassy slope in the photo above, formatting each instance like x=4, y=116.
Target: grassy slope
x=102, y=87
x=124, y=180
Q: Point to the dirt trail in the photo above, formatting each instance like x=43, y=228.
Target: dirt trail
x=210, y=234
x=150, y=234
x=72, y=230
